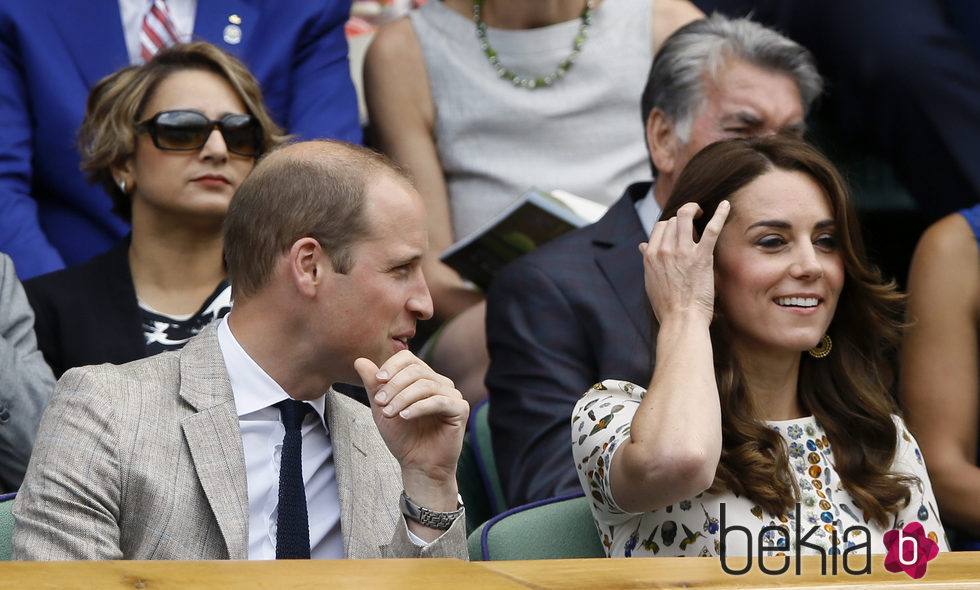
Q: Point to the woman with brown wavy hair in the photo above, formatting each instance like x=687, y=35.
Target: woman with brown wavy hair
x=769, y=403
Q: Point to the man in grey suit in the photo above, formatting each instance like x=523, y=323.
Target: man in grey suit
x=26, y=382
x=177, y=457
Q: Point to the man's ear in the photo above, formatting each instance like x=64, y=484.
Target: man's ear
x=308, y=265
x=662, y=141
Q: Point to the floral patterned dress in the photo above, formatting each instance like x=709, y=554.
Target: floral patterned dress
x=692, y=527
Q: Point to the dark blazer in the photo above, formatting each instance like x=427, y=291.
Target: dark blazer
x=560, y=319
x=88, y=314
x=53, y=51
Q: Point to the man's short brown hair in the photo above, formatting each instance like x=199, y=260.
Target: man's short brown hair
x=313, y=189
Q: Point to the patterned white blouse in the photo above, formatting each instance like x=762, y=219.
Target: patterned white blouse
x=692, y=527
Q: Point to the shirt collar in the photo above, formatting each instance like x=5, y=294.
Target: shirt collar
x=648, y=210
x=253, y=388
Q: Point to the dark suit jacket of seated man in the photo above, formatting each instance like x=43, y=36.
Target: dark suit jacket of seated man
x=575, y=312
x=152, y=459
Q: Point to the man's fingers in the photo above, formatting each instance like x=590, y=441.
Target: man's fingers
x=424, y=398
x=446, y=408
x=405, y=402
x=396, y=363
x=411, y=373
x=410, y=394
x=368, y=372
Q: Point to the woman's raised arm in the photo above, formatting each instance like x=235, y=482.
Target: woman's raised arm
x=675, y=435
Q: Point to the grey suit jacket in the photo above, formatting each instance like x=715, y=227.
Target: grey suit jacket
x=145, y=461
x=26, y=382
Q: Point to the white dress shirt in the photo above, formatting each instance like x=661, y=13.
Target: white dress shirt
x=131, y=12
x=262, y=432
x=649, y=211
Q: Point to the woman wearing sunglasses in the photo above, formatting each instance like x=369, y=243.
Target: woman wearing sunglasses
x=169, y=141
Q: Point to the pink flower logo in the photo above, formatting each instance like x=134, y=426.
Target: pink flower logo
x=909, y=550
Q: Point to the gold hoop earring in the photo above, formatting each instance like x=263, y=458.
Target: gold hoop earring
x=822, y=348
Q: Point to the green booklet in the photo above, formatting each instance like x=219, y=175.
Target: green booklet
x=534, y=219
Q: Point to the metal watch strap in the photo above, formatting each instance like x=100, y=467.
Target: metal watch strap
x=429, y=518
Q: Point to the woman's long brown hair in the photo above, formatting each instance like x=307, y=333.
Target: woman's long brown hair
x=848, y=391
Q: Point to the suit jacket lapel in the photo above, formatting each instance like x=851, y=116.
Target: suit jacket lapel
x=92, y=34
x=615, y=237
x=214, y=17
x=350, y=457
x=215, y=439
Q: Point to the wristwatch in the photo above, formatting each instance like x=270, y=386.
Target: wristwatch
x=430, y=518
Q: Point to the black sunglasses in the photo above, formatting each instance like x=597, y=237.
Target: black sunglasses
x=190, y=130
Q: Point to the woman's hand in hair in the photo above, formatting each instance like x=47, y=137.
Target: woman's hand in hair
x=678, y=271
x=675, y=436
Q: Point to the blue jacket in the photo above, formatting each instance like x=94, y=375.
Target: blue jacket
x=53, y=51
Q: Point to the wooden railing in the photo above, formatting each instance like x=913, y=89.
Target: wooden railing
x=949, y=570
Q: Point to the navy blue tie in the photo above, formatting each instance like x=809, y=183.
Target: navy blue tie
x=293, y=524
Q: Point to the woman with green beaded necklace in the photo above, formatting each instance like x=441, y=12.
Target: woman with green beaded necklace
x=483, y=99
x=536, y=81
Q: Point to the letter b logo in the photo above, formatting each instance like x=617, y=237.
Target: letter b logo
x=905, y=556
x=909, y=550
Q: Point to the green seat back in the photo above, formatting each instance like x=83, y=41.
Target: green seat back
x=471, y=487
x=483, y=447
x=558, y=528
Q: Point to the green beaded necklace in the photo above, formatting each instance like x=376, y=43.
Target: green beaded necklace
x=539, y=81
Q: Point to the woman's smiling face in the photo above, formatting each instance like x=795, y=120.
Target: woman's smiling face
x=778, y=269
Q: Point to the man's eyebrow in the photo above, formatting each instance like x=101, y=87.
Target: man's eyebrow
x=402, y=260
x=744, y=117
x=797, y=129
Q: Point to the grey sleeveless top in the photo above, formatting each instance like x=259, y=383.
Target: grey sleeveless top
x=584, y=134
